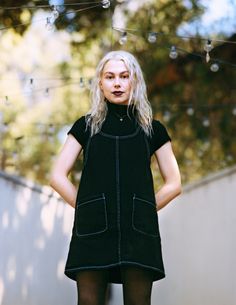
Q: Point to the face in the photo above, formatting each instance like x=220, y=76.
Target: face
x=115, y=82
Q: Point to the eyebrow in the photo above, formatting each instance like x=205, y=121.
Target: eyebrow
x=109, y=72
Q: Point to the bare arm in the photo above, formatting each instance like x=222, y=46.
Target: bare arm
x=170, y=173
x=59, y=175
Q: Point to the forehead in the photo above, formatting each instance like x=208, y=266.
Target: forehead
x=115, y=66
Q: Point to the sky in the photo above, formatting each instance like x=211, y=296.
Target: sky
x=219, y=17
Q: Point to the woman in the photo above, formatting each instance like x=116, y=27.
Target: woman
x=115, y=235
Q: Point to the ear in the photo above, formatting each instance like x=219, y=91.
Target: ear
x=100, y=85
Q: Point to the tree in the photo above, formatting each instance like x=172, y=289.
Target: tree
x=184, y=93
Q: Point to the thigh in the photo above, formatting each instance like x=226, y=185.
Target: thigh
x=92, y=287
x=137, y=285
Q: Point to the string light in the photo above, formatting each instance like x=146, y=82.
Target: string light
x=81, y=82
x=234, y=111
x=46, y=92
x=55, y=13
x=214, y=67
x=166, y=116
x=49, y=24
x=206, y=122
x=152, y=37
x=208, y=44
x=190, y=111
x=208, y=47
x=51, y=129
x=123, y=38
x=59, y=6
x=31, y=84
x=7, y=102
x=106, y=3
x=173, y=53
x=90, y=83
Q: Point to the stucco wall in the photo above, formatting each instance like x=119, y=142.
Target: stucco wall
x=198, y=232
x=34, y=235
x=198, y=238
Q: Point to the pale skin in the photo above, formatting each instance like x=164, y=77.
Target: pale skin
x=115, y=77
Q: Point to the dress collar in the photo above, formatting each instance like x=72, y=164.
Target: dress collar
x=120, y=109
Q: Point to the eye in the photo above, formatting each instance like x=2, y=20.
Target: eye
x=109, y=77
x=125, y=76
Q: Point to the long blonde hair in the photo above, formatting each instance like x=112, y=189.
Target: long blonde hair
x=138, y=95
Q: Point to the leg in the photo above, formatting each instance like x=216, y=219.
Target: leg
x=137, y=285
x=92, y=286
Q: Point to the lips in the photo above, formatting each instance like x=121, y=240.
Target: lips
x=117, y=93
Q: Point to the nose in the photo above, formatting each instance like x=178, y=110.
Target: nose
x=117, y=82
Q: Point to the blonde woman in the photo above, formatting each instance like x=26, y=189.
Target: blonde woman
x=115, y=236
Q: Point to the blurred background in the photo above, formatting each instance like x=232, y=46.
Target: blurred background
x=48, y=54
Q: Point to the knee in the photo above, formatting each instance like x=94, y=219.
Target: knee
x=137, y=299
x=88, y=299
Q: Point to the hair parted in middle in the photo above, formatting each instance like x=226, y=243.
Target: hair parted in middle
x=138, y=95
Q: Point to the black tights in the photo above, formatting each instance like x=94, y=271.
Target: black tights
x=92, y=286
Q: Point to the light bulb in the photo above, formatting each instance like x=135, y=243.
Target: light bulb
x=81, y=82
x=31, y=84
x=234, y=111
x=14, y=155
x=55, y=14
x=190, y=111
x=152, y=37
x=46, y=92
x=5, y=127
x=7, y=102
x=166, y=116
x=49, y=24
x=173, y=53
x=206, y=122
x=106, y=3
x=214, y=67
x=208, y=47
x=123, y=38
x=51, y=129
x=90, y=81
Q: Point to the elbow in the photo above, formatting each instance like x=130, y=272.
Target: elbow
x=52, y=180
x=178, y=189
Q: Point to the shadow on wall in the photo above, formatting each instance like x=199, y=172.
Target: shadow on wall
x=35, y=229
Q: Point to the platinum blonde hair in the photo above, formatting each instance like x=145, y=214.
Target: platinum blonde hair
x=138, y=94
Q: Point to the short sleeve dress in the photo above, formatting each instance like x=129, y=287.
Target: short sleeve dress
x=115, y=221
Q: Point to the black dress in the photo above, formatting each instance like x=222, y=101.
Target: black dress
x=116, y=222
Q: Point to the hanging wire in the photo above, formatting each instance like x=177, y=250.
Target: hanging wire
x=47, y=5
x=175, y=48
x=31, y=91
x=43, y=19
x=176, y=36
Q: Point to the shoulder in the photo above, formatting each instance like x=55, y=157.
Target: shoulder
x=80, y=122
x=158, y=127
x=159, y=135
x=79, y=130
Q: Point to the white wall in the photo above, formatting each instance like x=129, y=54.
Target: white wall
x=199, y=241
x=198, y=238
x=198, y=232
x=35, y=228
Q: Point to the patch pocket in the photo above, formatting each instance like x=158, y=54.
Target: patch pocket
x=91, y=216
x=144, y=218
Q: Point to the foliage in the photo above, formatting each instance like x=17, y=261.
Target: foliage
x=35, y=125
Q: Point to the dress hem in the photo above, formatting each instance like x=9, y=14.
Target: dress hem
x=158, y=274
